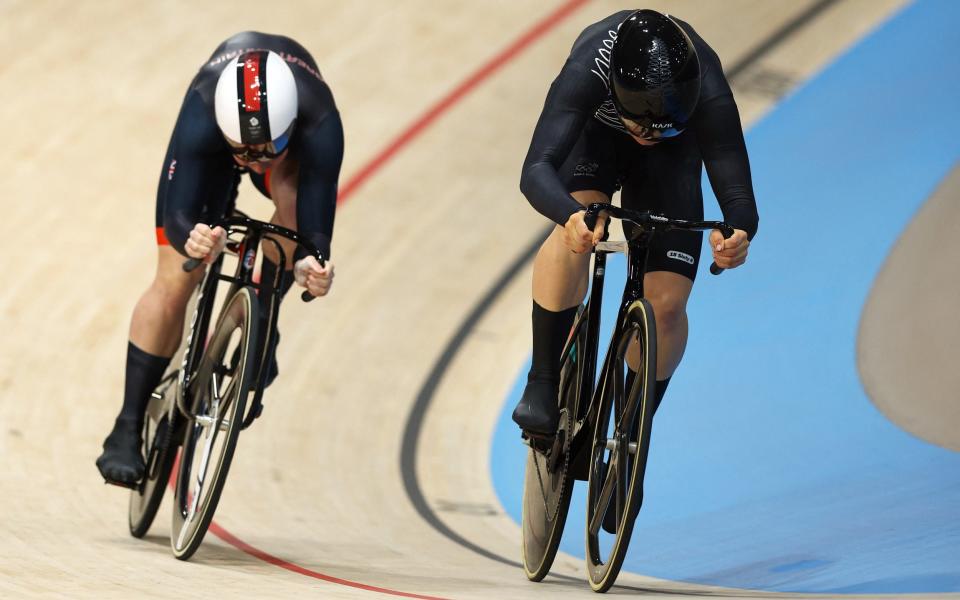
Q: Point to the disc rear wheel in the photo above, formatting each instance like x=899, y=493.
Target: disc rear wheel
x=159, y=450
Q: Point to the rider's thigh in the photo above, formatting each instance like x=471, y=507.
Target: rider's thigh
x=554, y=242
x=171, y=280
x=667, y=293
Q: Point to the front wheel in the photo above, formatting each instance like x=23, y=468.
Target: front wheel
x=218, y=394
x=621, y=441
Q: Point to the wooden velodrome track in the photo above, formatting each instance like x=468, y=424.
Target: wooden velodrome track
x=369, y=468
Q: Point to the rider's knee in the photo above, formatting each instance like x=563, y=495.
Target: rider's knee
x=171, y=293
x=172, y=285
x=669, y=309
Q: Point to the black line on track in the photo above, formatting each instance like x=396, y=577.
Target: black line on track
x=414, y=424
x=778, y=37
x=411, y=432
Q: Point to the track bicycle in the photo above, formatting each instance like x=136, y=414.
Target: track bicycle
x=196, y=413
x=603, y=435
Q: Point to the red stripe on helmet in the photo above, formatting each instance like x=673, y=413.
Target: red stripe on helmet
x=251, y=82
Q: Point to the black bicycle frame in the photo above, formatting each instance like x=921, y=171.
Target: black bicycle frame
x=647, y=224
x=253, y=232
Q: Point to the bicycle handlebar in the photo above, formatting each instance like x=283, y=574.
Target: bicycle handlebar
x=648, y=221
x=263, y=227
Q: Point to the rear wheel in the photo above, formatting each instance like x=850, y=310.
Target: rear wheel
x=219, y=394
x=159, y=451
x=621, y=440
x=548, y=482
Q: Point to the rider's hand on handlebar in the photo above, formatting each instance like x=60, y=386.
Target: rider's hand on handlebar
x=206, y=244
x=578, y=237
x=731, y=252
x=308, y=273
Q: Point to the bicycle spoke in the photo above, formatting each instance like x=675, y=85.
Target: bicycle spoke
x=621, y=473
x=618, y=396
x=606, y=493
x=209, y=423
x=630, y=405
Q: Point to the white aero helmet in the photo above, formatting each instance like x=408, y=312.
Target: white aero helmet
x=256, y=102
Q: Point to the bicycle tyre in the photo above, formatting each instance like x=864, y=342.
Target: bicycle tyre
x=194, y=508
x=160, y=452
x=540, y=533
x=619, y=470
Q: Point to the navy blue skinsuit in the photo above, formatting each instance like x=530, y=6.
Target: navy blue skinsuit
x=199, y=178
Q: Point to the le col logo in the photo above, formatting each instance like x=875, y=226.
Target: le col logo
x=680, y=256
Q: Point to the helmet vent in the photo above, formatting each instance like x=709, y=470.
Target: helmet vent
x=658, y=69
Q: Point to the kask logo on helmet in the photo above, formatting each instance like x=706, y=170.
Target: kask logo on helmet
x=654, y=73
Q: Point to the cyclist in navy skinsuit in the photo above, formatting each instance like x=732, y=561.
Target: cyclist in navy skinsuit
x=258, y=106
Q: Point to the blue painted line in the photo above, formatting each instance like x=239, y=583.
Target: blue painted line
x=770, y=469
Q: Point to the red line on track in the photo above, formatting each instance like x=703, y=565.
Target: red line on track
x=444, y=104
x=228, y=537
x=372, y=166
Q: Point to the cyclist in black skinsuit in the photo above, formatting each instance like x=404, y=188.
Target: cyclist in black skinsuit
x=640, y=105
x=259, y=106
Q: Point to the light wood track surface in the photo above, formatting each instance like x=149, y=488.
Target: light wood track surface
x=91, y=91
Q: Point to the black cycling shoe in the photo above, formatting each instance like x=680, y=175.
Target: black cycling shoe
x=537, y=412
x=122, y=462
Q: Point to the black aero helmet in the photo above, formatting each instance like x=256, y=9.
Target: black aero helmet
x=654, y=73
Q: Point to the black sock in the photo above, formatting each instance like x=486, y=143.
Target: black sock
x=660, y=390
x=658, y=395
x=144, y=372
x=268, y=270
x=550, y=332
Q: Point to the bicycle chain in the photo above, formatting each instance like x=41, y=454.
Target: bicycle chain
x=567, y=441
x=563, y=472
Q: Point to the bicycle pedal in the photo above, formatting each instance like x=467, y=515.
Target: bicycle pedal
x=540, y=443
x=129, y=486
